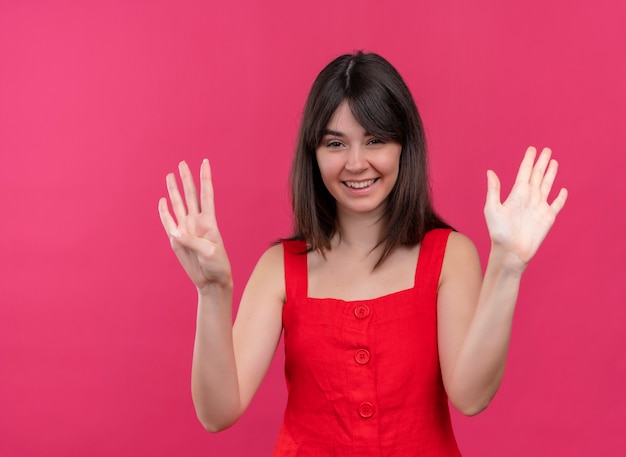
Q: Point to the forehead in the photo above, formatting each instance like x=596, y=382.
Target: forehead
x=343, y=121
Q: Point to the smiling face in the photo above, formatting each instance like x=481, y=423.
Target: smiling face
x=358, y=169
x=323, y=179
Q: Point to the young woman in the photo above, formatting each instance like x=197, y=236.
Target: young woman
x=384, y=309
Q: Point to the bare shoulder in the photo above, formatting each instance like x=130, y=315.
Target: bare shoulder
x=263, y=297
x=461, y=257
x=460, y=245
x=269, y=273
x=273, y=256
x=459, y=287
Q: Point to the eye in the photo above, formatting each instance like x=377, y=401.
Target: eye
x=333, y=144
x=376, y=141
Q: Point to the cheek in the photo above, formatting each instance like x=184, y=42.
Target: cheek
x=392, y=162
x=327, y=166
x=393, y=166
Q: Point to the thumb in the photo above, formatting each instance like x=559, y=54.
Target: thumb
x=184, y=240
x=493, y=189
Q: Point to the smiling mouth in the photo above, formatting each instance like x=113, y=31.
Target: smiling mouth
x=360, y=184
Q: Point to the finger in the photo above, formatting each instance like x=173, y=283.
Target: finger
x=539, y=170
x=189, y=188
x=493, y=189
x=548, y=179
x=207, y=201
x=526, y=167
x=199, y=245
x=169, y=224
x=177, y=202
x=559, y=202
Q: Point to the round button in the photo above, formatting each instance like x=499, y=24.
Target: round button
x=361, y=311
x=366, y=410
x=362, y=356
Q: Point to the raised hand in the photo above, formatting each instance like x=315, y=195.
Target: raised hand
x=193, y=230
x=518, y=226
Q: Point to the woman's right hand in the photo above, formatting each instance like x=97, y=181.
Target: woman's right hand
x=193, y=231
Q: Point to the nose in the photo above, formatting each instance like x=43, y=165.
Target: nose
x=356, y=161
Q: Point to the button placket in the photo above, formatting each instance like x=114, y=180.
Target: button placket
x=362, y=356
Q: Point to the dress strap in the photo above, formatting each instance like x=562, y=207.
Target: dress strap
x=430, y=260
x=296, y=284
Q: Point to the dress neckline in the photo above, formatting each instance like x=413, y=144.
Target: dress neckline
x=420, y=261
x=427, y=270
x=366, y=300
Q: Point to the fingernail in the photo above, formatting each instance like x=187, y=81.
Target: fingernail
x=175, y=233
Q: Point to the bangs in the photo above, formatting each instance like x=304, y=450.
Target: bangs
x=378, y=112
x=320, y=116
x=375, y=114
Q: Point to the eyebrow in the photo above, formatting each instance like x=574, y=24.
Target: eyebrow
x=340, y=134
x=332, y=133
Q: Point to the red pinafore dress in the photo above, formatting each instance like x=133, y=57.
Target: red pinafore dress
x=363, y=376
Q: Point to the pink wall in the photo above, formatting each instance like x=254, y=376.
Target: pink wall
x=99, y=100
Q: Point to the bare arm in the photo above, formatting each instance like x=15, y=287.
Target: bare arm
x=228, y=365
x=475, y=315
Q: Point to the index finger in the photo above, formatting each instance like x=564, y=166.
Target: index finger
x=207, y=203
x=188, y=187
x=526, y=167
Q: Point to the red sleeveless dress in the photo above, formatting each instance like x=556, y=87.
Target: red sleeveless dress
x=363, y=376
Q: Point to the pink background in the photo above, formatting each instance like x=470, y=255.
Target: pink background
x=99, y=100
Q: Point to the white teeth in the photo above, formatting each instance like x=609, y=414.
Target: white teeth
x=360, y=184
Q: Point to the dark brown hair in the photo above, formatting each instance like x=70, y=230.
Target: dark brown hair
x=381, y=102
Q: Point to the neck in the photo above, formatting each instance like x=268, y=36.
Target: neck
x=357, y=232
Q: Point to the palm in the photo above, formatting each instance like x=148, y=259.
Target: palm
x=193, y=230
x=520, y=224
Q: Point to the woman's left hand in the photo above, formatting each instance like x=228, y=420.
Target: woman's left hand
x=518, y=226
